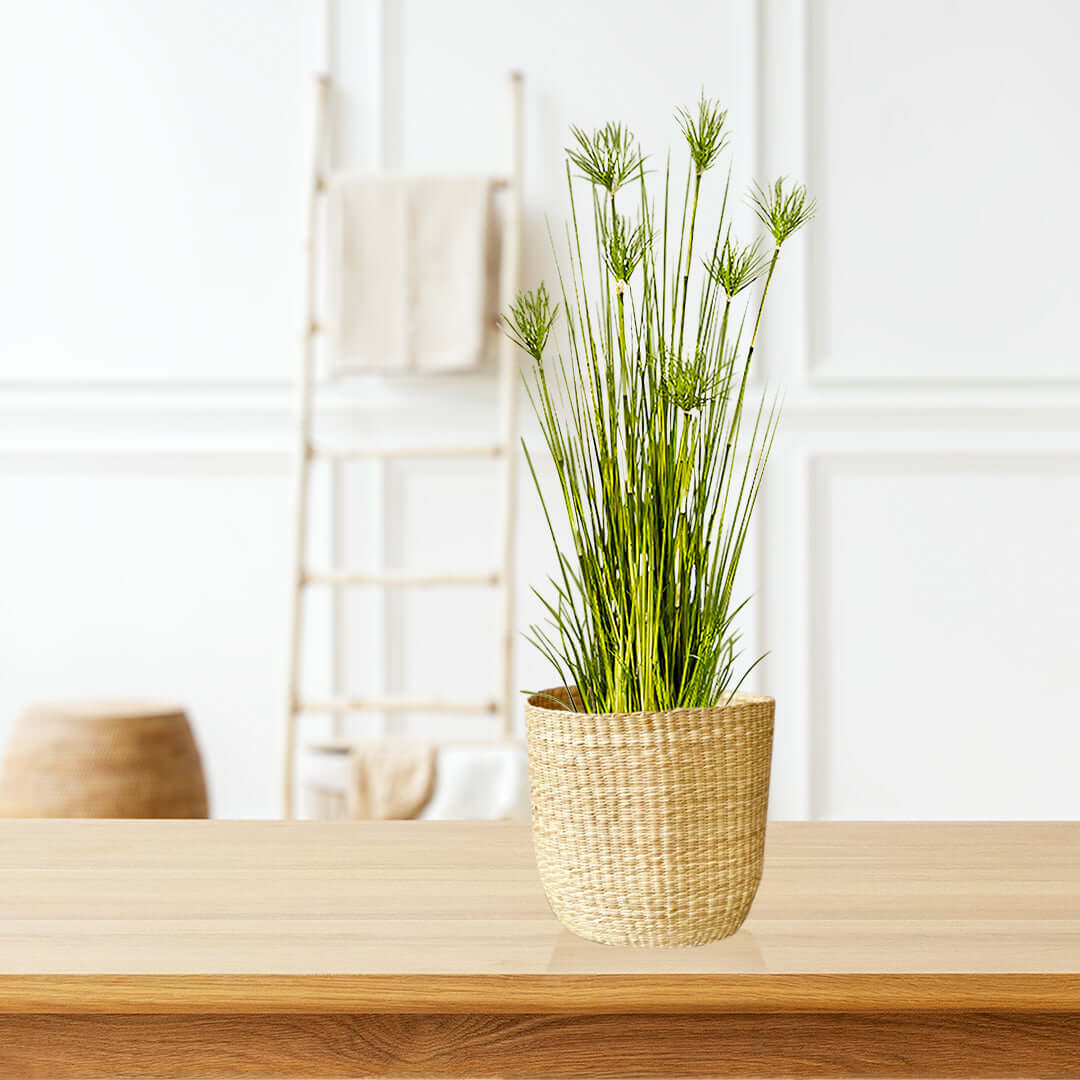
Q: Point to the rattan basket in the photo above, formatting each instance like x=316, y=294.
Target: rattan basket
x=649, y=828
x=102, y=759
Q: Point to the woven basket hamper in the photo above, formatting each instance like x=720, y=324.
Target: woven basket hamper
x=649, y=828
x=102, y=759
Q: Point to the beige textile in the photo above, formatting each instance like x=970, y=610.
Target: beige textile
x=414, y=271
x=389, y=779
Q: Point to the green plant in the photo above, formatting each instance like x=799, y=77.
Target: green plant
x=657, y=469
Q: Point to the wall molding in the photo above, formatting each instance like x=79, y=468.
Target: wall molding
x=81, y=457
x=819, y=367
x=58, y=425
x=819, y=469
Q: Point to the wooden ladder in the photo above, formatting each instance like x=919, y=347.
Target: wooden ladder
x=502, y=449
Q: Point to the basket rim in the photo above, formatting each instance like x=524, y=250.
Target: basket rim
x=740, y=700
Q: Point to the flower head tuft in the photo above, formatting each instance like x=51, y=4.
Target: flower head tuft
x=704, y=133
x=609, y=157
x=529, y=320
x=623, y=245
x=781, y=210
x=734, y=267
x=689, y=383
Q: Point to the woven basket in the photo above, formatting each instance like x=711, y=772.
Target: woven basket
x=649, y=828
x=102, y=759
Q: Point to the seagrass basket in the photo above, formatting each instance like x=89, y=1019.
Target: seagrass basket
x=649, y=828
x=102, y=759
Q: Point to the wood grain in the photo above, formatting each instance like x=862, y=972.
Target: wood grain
x=555, y=994
x=894, y=1045
x=275, y=917
x=242, y=949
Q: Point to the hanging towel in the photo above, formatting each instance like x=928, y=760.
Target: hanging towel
x=414, y=268
x=389, y=779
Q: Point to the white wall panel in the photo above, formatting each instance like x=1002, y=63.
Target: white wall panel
x=945, y=635
x=941, y=144
x=152, y=188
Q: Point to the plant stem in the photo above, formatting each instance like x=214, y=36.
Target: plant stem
x=761, y=303
x=737, y=416
x=620, y=291
x=689, y=260
x=620, y=288
x=655, y=474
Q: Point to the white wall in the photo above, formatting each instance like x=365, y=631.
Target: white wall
x=920, y=576
x=916, y=575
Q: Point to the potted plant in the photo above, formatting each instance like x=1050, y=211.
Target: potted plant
x=649, y=769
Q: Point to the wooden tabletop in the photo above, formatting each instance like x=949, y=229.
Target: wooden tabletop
x=193, y=916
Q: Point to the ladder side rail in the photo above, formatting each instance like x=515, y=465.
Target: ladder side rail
x=303, y=436
x=338, y=550
x=509, y=392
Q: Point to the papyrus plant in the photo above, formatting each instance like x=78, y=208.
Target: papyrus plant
x=642, y=409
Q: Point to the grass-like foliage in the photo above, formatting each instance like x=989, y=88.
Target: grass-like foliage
x=705, y=133
x=642, y=411
x=530, y=322
x=608, y=158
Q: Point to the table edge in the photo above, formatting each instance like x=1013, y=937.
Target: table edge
x=865, y=992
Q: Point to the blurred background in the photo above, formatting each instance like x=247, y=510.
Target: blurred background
x=914, y=567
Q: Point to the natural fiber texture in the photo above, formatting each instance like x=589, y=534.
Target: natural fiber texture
x=102, y=760
x=650, y=827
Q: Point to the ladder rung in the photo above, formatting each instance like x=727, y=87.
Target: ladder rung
x=393, y=704
x=399, y=578
x=344, y=745
x=458, y=450
x=322, y=183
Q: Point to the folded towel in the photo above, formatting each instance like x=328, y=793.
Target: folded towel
x=401, y=778
x=414, y=264
x=389, y=779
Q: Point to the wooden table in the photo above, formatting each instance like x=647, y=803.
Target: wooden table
x=246, y=949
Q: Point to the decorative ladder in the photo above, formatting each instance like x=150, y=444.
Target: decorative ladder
x=308, y=449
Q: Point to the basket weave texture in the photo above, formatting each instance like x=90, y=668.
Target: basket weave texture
x=649, y=828
x=102, y=760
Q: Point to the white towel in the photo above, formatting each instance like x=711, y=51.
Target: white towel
x=473, y=782
x=480, y=783
x=414, y=265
